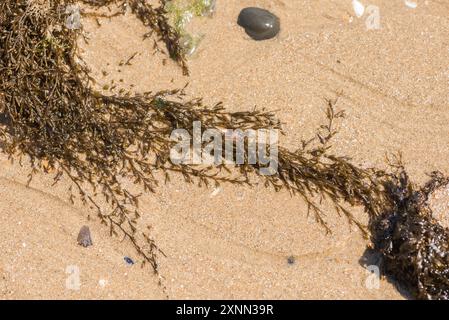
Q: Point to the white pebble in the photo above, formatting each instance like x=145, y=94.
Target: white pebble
x=359, y=8
x=411, y=4
x=102, y=283
x=215, y=192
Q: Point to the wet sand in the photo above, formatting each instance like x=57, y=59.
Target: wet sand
x=235, y=242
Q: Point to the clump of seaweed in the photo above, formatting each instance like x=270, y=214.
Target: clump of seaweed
x=51, y=114
x=413, y=245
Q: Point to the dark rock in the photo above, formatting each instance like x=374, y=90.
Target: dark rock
x=84, y=237
x=258, y=23
x=128, y=260
x=291, y=260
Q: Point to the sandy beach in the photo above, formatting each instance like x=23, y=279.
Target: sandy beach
x=235, y=242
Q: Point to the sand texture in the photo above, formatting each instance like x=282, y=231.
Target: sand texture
x=235, y=242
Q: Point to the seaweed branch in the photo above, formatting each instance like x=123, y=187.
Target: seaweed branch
x=155, y=18
x=52, y=115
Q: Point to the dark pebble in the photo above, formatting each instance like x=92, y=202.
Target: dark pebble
x=128, y=260
x=84, y=237
x=291, y=260
x=258, y=23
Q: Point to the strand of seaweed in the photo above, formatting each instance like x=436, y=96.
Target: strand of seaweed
x=155, y=18
x=51, y=114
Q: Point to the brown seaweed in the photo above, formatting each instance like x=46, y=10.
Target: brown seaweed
x=156, y=20
x=414, y=247
x=52, y=115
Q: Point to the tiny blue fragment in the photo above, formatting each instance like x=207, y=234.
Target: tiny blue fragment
x=129, y=261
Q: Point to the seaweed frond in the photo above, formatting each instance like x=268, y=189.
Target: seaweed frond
x=157, y=21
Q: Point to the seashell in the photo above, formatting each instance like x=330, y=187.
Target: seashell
x=411, y=4
x=359, y=8
x=215, y=192
x=102, y=282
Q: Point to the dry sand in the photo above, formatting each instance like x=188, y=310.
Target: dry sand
x=235, y=244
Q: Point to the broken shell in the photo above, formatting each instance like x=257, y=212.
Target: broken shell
x=359, y=8
x=411, y=4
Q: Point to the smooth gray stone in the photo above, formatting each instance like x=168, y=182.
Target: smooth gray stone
x=84, y=237
x=259, y=24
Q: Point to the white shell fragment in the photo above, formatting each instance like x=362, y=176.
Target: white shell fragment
x=359, y=8
x=411, y=4
x=215, y=192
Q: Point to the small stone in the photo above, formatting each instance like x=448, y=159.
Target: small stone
x=102, y=283
x=411, y=4
x=215, y=192
x=359, y=8
x=291, y=260
x=259, y=24
x=84, y=237
x=128, y=261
